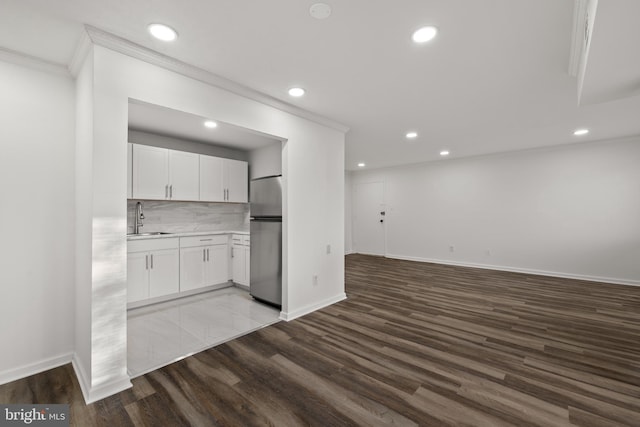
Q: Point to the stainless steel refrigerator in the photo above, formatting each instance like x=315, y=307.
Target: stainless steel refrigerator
x=266, y=240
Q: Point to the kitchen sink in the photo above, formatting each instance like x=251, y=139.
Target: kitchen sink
x=154, y=233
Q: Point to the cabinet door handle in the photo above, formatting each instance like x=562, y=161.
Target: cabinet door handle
x=231, y=251
x=166, y=191
x=171, y=191
x=207, y=254
x=146, y=262
x=151, y=260
x=204, y=255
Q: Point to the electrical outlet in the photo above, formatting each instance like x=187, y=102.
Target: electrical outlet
x=315, y=280
x=328, y=249
x=452, y=248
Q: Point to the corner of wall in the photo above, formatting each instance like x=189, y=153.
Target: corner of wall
x=94, y=393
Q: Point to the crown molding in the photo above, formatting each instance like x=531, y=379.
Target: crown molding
x=134, y=50
x=19, y=58
x=577, y=36
x=79, y=55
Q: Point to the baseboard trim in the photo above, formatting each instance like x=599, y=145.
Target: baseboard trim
x=108, y=389
x=240, y=286
x=289, y=316
x=93, y=394
x=348, y=252
x=370, y=253
x=82, y=377
x=24, y=371
x=165, y=298
x=610, y=280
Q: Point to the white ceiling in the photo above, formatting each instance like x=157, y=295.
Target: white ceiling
x=165, y=121
x=495, y=79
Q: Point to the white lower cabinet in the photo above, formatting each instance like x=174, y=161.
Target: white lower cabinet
x=203, y=261
x=152, y=269
x=137, y=276
x=164, y=278
x=240, y=259
x=192, y=266
x=167, y=266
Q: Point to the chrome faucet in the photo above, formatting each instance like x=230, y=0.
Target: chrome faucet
x=139, y=216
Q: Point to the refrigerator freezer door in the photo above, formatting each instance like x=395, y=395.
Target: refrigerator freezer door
x=266, y=261
x=266, y=197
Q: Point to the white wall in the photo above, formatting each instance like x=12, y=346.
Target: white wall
x=567, y=211
x=265, y=161
x=348, y=234
x=313, y=157
x=36, y=220
x=163, y=141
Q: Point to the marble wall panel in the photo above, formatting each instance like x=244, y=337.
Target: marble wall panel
x=181, y=217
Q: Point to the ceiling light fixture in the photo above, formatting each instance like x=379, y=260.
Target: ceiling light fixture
x=320, y=10
x=424, y=34
x=361, y=165
x=580, y=132
x=296, y=92
x=444, y=153
x=163, y=32
x=210, y=124
x=411, y=135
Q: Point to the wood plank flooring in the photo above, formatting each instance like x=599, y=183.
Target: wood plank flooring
x=414, y=344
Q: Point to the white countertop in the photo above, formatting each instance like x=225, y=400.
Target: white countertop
x=185, y=234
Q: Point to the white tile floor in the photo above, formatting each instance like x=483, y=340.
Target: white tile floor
x=161, y=334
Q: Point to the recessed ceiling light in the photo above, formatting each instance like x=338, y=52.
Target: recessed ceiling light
x=320, y=10
x=210, y=124
x=579, y=132
x=163, y=32
x=444, y=153
x=411, y=135
x=424, y=34
x=296, y=92
x=361, y=165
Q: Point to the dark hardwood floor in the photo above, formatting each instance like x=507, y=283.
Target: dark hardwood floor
x=414, y=344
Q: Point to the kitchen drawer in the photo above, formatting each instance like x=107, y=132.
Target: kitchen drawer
x=206, y=240
x=152, y=244
x=240, y=239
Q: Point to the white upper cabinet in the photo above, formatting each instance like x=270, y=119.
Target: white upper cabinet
x=223, y=180
x=236, y=175
x=184, y=177
x=150, y=172
x=162, y=174
x=211, y=179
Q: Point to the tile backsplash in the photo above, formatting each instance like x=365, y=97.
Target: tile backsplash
x=180, y=217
